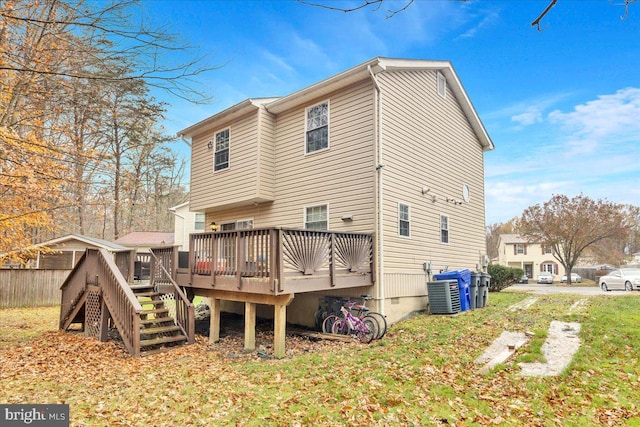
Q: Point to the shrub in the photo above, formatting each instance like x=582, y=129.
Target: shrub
x=502, y=277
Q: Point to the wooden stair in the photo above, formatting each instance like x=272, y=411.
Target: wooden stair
x=158, y=330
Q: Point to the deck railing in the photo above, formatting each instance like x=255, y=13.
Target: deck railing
x=276, y=254
x=119, y=298
x=97, y=279
x=125, y=260
x=72, y=290
x=164, y=263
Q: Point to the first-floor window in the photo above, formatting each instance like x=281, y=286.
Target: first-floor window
x=444, y=229
x=403, y=220
x=315, y=217
x=199, y=223
x=550, y=267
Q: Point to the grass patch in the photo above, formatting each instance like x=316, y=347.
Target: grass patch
x=422, y=373
x=18, y=325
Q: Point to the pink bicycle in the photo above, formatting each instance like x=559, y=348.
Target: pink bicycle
x=364, y=329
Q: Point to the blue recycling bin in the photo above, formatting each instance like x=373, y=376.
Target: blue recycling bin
x=463, y=277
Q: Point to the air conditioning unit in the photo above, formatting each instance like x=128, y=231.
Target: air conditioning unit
x=444, y=297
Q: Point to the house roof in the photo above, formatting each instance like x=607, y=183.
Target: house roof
x=363, y=71
x=513, y=238
x=181, y=205
x=146, y=238
x=230, y=113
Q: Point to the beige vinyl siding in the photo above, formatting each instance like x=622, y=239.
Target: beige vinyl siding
x=266, y=154
x=428, y=142
x=342, y=177
x=240, y=183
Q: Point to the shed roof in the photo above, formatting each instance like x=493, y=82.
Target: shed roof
x=146, y=238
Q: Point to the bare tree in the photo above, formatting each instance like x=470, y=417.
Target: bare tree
x=405, y=4
x=572, y=225
x=56, y=74
x=493, y=235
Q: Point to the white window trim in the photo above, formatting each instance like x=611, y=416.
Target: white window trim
x=448, y=229
x=409, y=220
x=328, y=129
x=214, y=150
x=304, y=214
x=441, y=78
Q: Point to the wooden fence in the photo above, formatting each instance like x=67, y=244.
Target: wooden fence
x=30, y=288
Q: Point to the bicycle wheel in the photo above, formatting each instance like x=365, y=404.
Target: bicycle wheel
x=376, y=325
x=327, y=323
x=382, y=322
x=366, y=335
x=341, y=327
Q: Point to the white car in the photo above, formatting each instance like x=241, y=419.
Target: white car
x=627, y=279
x=545, y=277
x=575, y=278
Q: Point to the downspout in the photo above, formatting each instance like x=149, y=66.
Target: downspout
x=380, y=294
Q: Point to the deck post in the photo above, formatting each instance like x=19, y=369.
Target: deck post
x=279, y=329
x=249, y=327
x=104, y=319
x=214, y=322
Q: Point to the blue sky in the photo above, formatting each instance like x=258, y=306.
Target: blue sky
x=562, y=105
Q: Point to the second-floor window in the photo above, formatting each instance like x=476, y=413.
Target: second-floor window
x=404, y=223
x=316, y=217
x=520, y=249
x=317, y=134
x=221, y=155
x=444, y=229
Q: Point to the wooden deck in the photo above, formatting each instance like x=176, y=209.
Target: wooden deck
x=274, y=261
x=266, y=266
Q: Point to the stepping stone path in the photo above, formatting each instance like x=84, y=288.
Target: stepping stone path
x=558, y=349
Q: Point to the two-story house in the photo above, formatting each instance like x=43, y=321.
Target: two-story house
x=185, y=222
x=533, y=258
x=391, y=148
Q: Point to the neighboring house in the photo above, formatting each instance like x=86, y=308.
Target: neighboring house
x=533, y=258
x=142, y=241
x=64, y=252
x=185, y=223
x=391, y=147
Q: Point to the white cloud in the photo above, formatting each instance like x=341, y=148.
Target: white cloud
x=608, y=120
x=487, y=21
x=529, y=117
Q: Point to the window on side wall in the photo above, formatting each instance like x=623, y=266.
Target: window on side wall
x=442, y=85
x=444, y=229
x=199, y=223
x=317, y=128
x=316, y=217
x=404, y=220
x=221, y=155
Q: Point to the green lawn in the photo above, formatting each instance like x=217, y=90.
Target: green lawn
x=421, y=373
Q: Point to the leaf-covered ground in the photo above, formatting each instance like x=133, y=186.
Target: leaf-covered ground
x=421, y=373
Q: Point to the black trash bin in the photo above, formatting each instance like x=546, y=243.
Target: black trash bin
x=483, y=290
x=474, y=288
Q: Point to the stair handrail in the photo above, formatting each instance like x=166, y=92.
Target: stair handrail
x=71, y=290
x=185, y=310
x=123, y=305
